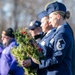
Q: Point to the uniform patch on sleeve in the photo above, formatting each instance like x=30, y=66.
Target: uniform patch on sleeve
x=60, y=44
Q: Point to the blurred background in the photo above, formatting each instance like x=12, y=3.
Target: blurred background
x=19, y=13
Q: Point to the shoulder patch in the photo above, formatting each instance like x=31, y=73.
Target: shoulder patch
x=60, y=44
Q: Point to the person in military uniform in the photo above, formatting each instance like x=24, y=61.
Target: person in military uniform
x=8, y=64
x=48, y=31
x=36, y=30
x=61, y=43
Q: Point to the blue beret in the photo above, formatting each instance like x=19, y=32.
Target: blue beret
x=55, y=6
x=42, y=14
x=34, y=24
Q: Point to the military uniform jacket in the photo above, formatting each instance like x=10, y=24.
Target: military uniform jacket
x=43, y=44
x=61, y=44
x=45, y=41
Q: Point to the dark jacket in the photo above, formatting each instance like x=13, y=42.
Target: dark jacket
x=61, y=44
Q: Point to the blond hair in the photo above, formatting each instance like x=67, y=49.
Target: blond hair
x=63, y=14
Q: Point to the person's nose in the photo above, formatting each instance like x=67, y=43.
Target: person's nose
x=50, y=23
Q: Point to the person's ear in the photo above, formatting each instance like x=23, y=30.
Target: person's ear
x=58, y=16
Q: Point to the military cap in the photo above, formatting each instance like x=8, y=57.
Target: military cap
x=34, y=24
x=55, y=6
x=42, y=14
